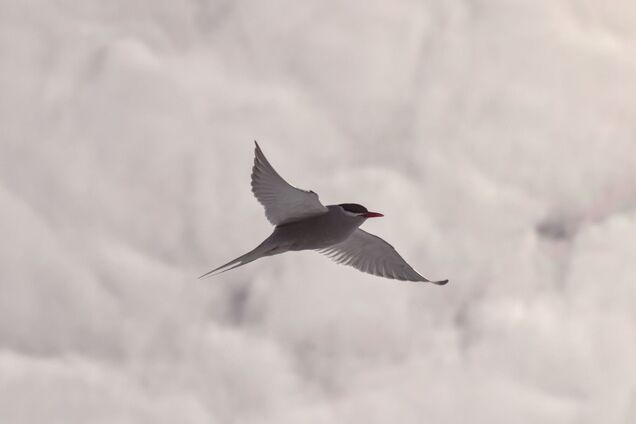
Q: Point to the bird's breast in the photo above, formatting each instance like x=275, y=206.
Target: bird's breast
x=313, y=233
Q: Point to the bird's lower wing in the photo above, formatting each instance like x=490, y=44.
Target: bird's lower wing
x=371, y=254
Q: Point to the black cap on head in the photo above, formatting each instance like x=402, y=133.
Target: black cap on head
x=353, y=207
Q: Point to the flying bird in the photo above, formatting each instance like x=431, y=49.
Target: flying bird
x=303, y=223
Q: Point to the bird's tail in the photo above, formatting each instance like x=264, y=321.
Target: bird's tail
x=264, y=249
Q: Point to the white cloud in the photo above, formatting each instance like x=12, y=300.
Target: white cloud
x=496, y=137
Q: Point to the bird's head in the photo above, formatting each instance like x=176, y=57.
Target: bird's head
x=354, y=209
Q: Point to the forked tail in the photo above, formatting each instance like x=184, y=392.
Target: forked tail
x=261, y=250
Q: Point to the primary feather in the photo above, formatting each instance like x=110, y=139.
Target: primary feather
x=283, y=202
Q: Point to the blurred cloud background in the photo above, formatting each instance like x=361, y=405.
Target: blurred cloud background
x=497, y=137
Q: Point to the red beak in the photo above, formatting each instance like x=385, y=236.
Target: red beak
x=371, y=215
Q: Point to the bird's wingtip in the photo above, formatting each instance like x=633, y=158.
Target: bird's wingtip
x=440, y=282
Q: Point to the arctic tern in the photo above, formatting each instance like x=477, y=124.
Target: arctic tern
x=303, y=223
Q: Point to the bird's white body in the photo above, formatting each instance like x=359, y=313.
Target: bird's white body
x=303, y=223
x=318, y=231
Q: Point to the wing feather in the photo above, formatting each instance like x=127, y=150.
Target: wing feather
x=371, y=254
x=283, y=202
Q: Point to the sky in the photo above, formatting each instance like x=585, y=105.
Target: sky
x=498, y=139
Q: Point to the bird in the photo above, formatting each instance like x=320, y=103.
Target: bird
x=302, y=222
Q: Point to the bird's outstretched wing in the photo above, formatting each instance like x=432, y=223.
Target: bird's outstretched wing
x=283, y=203
x=371, y=254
